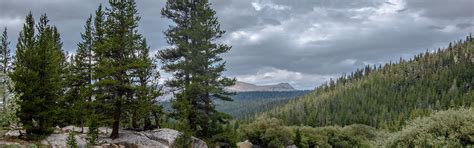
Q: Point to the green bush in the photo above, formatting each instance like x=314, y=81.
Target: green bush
x=451, y=128
x=71, y=140
x=268, y=133
x=93, y=133
x=271, y=133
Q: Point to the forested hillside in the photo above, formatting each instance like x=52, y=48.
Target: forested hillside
x=247, y=104
x=387, y=96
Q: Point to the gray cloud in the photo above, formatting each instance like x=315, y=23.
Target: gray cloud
x=464, y=25
x=442, y=9
x=303, y=42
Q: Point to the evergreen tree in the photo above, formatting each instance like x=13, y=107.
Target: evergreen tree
x=5, y=57
x=79, y=80
x=196, y=66
x=145, y=105
x=84, y=61
x=5, y=52
x=100, y=106
x=71, y=140
x=93, y=133
x=37, y=76
x=116, y=60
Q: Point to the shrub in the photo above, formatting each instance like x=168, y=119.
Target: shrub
x=450, y=128
x=93, y=133
x=71, y=140
x=183, y=140
x=267, y=132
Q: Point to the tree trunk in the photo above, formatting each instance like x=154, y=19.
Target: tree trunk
x=157, y=119
x=135, y=120
x=116, y=124
x=147, y=123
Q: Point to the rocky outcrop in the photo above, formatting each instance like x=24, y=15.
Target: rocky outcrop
x=13, y=133
x=160, y=138
x=245, y=144
x=58, y=140
x=134, y=139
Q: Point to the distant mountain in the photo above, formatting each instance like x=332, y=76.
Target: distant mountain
x=238, y=87
x=247, y=87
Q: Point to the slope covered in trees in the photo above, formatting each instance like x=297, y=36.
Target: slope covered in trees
x=386, y=96
x=246, y=104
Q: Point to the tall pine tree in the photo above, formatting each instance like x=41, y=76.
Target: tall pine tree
x=5, y=57
x=38, y=76
x=5, y=52
x=79, y=80
x=145, y=105
x=196, y=65
x=116, y=60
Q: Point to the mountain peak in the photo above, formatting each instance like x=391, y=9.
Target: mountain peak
x=248, y=87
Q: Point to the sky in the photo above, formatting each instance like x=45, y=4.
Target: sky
x=301, y=42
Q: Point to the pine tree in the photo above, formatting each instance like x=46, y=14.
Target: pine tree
x=84, y=61
x=5, y=57
x=93, y=133
x=79, y=80
x=69, y=105
x=196, y=66
x=115, y=62
x=71, y=140
x=98, y=33
x=5, y=52
x=145, y=104
x=38, y=76
x=100, y=105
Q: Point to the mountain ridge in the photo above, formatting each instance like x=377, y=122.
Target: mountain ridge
x=248, y=87
x=238, y=87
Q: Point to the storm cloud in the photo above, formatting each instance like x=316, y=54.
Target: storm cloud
x=302, y=42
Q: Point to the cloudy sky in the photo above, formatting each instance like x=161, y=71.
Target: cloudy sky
x=302, y=42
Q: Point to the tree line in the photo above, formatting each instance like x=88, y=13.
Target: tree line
x=112, y=80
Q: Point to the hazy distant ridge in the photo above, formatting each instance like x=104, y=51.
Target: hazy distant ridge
x=247, y=87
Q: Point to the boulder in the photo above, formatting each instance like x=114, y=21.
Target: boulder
x=134, y=139
x=14, y=133
x=169, y=136
x=59, y=140
x=245, y=144
x=198, y=143
x=104, y=130
x=164, y=135
x=75, y=129
x=160, y=138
